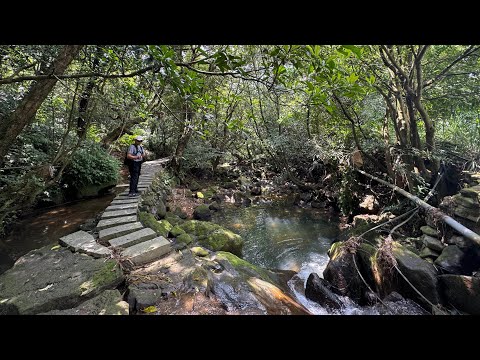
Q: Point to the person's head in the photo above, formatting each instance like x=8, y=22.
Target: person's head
x=138, y=140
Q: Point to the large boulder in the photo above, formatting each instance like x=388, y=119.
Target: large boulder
x=46, y=279
x=450, y=260
x=247, y=289
x=421, y=274
x=320, y=291
x=223, y=240
x=462, y=292
x=202, y=212
x=342, y=274
x=109, y=302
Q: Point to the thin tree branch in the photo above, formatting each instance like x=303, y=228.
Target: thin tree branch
x=441, y=75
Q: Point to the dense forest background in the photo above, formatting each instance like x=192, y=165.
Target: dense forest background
x=406, y=112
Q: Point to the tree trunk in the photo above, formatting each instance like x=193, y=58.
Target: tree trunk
x=23, y=115
x=176, y=163
x=433, y=211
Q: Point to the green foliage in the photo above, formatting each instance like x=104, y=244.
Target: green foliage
x=91, y=165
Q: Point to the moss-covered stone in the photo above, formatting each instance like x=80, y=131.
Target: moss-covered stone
x=223, y=240
x=160, y=227
x=428, y=252
x=420, y=274
x=166, y=224
x=180, y=213
x=176, y=231
x=199, y=251
x=243, y=265
x=173, y=219
x=365, y=256
x=161, y=209
x=184, y=238
x=147, y=219
x=427, y=230
x=202, y=212
x=195, y=186
x=335, y=250
x=199, y=228
x=209, y=193
x=107, y=274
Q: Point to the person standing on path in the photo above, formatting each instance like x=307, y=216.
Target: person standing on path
x=136, y=154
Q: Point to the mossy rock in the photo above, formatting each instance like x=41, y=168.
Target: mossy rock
x=166, y=224
x=184, y=238
x=202, y=212
x=427, y=230
x=195, y=186
x=147, y=219
x=199, y=228
x=180, y=213
x=335, y=250
x=164, y=227
x=209, y=193
x=176, y=231
x=161, y=209
x=199, y=251
x=223, y=240
x=243, y=266
x=173, y=219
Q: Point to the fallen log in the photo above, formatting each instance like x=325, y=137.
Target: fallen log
x=436, y=213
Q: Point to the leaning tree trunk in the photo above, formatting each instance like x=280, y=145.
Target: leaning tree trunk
x=433, y=211
x=12, y=126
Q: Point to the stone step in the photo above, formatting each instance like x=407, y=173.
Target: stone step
x=120, y=230
x=118, y=213
x=121, y=206
x=125, y=201
x=133, y=238
x=83, y=242
x=148, y=251
x=108, y=223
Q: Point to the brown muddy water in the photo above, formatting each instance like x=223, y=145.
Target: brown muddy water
x=47, y=226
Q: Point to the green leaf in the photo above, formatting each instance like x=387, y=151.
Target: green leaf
x=280, y=70
x=310, y=49
x=355, y=49
x=331, y=64
x=352, y=78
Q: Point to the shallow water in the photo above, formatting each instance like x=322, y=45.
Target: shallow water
x=286, y=237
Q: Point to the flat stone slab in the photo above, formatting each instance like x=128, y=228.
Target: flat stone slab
x=117, y=231
x=83, y=242
x=133, y=238
x=121, y=206
x=109, y=302
x=107, y=223
x=125, y=201
x=45, y=280
x=118, y=213
x=147, y=251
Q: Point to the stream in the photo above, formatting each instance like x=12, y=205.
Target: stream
x=287, y=237
x=46, y=226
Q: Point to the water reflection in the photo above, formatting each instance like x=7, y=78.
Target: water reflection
x=280, y=237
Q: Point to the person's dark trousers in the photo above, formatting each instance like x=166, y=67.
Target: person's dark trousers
x=134, y=175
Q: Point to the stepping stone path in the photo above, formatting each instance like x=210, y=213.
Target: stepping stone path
x=119, y=227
